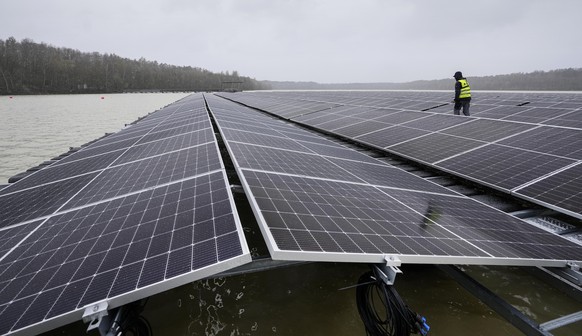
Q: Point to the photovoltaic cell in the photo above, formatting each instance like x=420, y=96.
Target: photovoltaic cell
x=171, y=132
x=435, y=147
x=572, y=119
x=387, y=176
x=390, y=136
x=550, y=140
x=504, y=167
x=337, y=152
x=282, y=161
x=436, y=122
x=139, y=175
x=92, y=150
x=252, y=138
x=167, y=145
x=502, y=236
x=537, y=115
x=562, y=190
x=58, y=172
x=40, y=201
x=487, y=130
x=337, y=122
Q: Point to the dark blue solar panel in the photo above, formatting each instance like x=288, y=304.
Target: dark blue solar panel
x=564, y=142
x=562, y=190
x=487, y=130
x=118, y=247
x=40, y=201
x=391, y=136
x=306, y=216
x=435, y=147
x=153, y=171
x=63, y=171
x=167, y=145
x=504, y=167
x=135, y=217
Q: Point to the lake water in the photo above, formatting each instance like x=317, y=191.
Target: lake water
x=297, y=300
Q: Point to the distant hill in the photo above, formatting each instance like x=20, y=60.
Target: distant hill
x=555, y=80
x=27, y=67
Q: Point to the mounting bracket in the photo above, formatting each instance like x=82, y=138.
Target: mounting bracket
x=574, y=271
x=97, y=317
x=389, y=271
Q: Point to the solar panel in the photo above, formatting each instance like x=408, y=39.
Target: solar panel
x=160, y=216
x=499, y=112
x=436, y=122
x=561, y=191
x=572, y=119
x=32, y=203
x=487, y=130
x=401, y=117
x=390, y=136
x=315, y=219
x=537, y=114
x=411, y=136
x=58, y=172
x=435, y=147
x=504, y=167
x=149, y=172
x=116, y=248
x=360, y=128
x=98, y=149
x=283, y=161
x=550, y=140
x=324, y=208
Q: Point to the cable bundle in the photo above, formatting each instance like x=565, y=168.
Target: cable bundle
x=373, y=294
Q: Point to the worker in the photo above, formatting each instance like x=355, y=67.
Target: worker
x=462, y=94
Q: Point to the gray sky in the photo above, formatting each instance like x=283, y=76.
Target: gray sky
x=327, y=41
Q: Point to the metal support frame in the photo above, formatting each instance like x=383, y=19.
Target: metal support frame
x=561, y=321
x=507, y=311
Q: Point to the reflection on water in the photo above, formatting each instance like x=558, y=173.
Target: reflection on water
x=296, y=300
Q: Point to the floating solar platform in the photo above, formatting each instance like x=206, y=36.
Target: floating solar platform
x=139, y=212
x=318, y=206
x=149, y=208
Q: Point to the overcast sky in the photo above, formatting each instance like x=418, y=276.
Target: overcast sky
x=326, y=41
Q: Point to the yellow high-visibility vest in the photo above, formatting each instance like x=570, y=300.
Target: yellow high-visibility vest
x=465, y=89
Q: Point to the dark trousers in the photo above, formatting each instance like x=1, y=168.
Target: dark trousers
x=464, y=104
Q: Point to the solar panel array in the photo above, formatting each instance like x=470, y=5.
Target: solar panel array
x=526, y=144
x=149, y=208
x=133, y=214
x=317, y=200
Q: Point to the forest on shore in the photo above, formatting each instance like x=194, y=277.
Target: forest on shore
x=27, y=67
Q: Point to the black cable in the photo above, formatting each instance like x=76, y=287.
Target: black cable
x=132, y=322
x=383, y=311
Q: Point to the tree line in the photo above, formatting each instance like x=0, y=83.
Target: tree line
x=27, y=67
